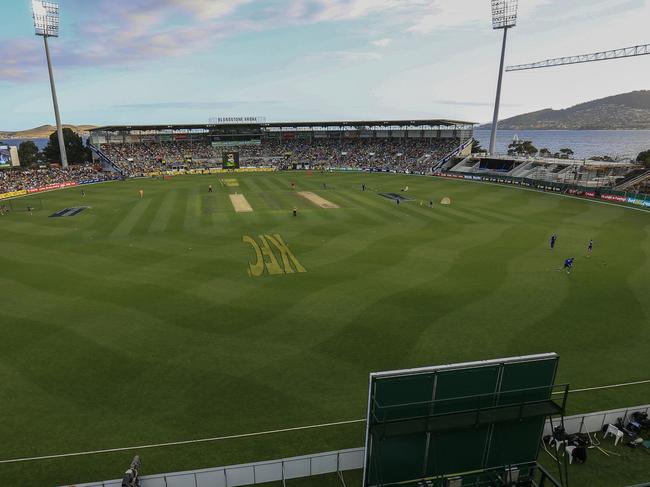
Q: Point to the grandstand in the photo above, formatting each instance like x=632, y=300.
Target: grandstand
x=18, y=183
x=408, y=146
x=586, y=173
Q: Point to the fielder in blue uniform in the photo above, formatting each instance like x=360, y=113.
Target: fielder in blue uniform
x=568, y=265
x=553, y=240
x=590, y=247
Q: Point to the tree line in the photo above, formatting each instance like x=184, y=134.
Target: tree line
x=31, y=156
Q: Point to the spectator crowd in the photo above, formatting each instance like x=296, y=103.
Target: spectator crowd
x=16, y=180
x=397, y=154
x=400, y=155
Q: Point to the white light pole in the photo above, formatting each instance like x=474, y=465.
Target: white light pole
x=504, y=16
x=46, y=24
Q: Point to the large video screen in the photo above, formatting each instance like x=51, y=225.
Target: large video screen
x=5, y=156
x=231, y=160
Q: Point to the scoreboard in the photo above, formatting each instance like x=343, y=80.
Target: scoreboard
x=231, y=160
x=8, y=156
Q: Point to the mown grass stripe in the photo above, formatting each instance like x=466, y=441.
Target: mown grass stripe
x=160, y=221
x=192, y=209
x=131, y=219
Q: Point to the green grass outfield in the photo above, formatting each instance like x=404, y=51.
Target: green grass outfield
x=137, y=322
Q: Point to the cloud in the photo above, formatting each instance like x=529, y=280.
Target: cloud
x=193, y=105
x=449, y=14
x=207, y=9
x=382, y=42
x=343, y=56
x=467, y=103
x=133, y=32
x=329, y=10
x=125, y=32
x=356, y=56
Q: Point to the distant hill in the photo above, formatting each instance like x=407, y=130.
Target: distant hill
x=626, y=111
x=42, y=132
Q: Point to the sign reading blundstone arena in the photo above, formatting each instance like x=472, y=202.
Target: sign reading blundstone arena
x=271, y=254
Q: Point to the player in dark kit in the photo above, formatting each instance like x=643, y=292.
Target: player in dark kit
x=295, y=211
x=210, y=189
x=568, y=265
x=553, y=240
x=590, y=247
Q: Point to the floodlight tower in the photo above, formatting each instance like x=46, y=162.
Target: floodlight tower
x=46, y=24
x=504, y=16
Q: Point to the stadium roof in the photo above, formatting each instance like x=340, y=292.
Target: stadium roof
x=347, y=123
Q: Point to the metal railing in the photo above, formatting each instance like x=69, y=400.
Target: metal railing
x=476, y=403
x=452, y=154
x=103, y=157
x=586, y=191
x=594, y=422
x=254, y=473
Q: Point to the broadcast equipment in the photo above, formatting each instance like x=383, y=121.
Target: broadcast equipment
x=132, y=475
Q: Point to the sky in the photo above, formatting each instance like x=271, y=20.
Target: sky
x=186, y=61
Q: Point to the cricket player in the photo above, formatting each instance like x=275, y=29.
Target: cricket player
x=210, y=189
x=590, y=247
x=568, y=265
x=141, y=192
x=553, y=240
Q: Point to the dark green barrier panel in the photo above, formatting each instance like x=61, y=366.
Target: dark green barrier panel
x=450, y=419
x=397, y=459
x=416, y=390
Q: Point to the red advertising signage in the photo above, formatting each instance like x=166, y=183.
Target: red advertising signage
x=614, y=197
x=50, y=187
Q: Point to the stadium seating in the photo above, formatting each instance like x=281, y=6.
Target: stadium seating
x=403, y=155
x=132, y=160
x=32, y=179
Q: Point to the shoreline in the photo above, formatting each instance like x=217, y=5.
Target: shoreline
x=33, y=137
x=566, y=130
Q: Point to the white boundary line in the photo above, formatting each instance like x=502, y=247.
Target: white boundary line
x=613, y=386
x=259, y=433
x=60, y=189
x=541, y=191
x=186, y=442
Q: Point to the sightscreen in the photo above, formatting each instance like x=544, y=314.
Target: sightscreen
x=447, y=420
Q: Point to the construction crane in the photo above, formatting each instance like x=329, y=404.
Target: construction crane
x=625, y=52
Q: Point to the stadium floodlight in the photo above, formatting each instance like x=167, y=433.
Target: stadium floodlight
x=46, y=24
x=504, y=17
x=46, y=18
x=504, y=13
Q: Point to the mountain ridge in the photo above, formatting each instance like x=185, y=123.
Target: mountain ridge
x=42, y=131
x=626, y=111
